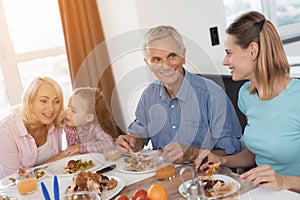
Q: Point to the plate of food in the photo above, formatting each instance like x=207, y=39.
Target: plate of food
x=105, y=186
x=70, y=165
x=215, y=186
x=10, y=181
x=137, y=163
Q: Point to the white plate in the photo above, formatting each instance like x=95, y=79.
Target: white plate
x=110, y=194
x=67, y=181
x=6, y=182
x=226, y=180
x=143, y=152
x=57, y=167
x=121, y=168
x=270, y=194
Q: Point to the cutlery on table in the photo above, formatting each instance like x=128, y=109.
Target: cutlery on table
x=56, y=188
x=106, y=169
x=45, y=191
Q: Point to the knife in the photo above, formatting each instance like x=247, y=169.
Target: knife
x=106, y=169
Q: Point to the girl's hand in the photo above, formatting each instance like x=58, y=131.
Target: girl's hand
x=72, y=150
x=264, y=177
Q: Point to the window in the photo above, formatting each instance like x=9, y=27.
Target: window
x=288, y=18
x=234, y=8
x=31, y=44
x=3, y=100
x=284, y=14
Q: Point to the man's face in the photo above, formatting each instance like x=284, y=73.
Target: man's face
x=166, y=61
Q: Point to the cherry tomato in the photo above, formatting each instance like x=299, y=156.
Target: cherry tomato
x=139, y=193
x=122, y=197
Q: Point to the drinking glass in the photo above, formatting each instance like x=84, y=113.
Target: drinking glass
x=80, y=195
x=164, y=169
x=110, y=152
x=26, y=181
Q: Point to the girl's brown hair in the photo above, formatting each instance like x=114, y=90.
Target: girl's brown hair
x=272, y=63
x=93, y=102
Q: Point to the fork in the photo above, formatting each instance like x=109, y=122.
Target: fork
x=134, y=154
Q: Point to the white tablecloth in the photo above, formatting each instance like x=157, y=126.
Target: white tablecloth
x=129, y=178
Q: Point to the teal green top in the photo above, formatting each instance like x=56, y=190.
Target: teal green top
x=272, y=132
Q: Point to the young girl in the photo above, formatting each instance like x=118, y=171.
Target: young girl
x=84, y=133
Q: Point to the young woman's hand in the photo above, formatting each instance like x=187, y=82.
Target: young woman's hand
x=205, y=157
x=264, y=177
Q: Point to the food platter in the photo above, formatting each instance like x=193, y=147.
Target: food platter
x=67, y=181
x=58, y=167
x=110, y=194
x=227, y=180
x=9, y=181
x=143, y=164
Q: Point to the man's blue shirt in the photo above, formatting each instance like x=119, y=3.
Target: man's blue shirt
x=201, y=115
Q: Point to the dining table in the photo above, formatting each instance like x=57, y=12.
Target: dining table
x=132, y=181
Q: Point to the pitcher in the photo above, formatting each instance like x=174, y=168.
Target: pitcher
x=194, y=189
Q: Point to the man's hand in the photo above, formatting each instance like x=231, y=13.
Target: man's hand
x=179, y=153
x=126, y=142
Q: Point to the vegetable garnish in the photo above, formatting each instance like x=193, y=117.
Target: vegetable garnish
x=212, y=168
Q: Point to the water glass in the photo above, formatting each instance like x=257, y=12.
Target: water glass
x=26, y=181
x=164, y=170
x=110, y=152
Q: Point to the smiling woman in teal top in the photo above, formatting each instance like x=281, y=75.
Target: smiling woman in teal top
x=270, y=101
x=273, y=129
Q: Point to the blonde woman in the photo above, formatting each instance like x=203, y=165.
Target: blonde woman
x=270, y=100
x=32, y=133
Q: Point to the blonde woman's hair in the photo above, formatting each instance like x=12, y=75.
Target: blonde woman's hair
x=272, y=63
x=30, y=93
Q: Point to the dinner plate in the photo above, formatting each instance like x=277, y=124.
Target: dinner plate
x=226, y=180
x=57, y=167
x=111, y=193
x=121, y=168
x=8, y=182
x=67, y=181
x=143, y=152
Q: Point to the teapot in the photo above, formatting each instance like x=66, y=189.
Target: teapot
x=194, y=189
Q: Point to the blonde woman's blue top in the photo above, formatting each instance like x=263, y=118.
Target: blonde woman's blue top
x=273, y=129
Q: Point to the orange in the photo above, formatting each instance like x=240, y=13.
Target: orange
x=157, y=192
